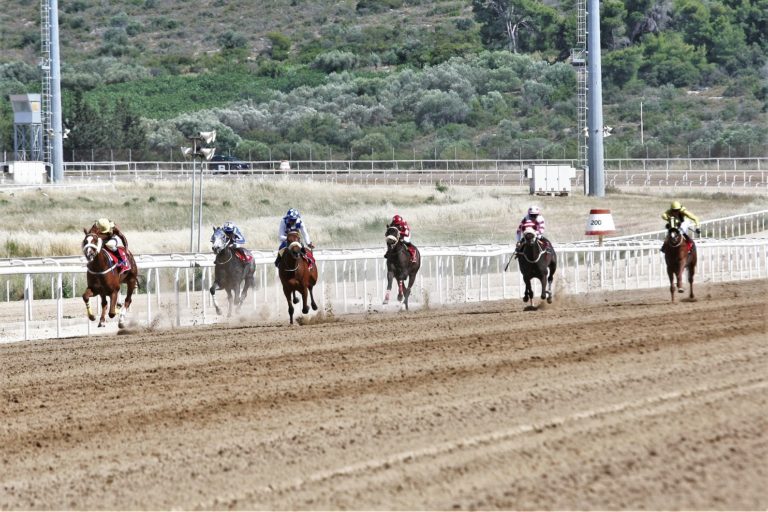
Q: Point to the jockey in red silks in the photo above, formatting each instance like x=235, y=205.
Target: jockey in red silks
x=533, y=219
x=405, y=234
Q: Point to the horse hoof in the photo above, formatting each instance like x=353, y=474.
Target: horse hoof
x=295, y=300
x=218, y=311
x=385, y=302
x=101, y=324
x=112, y=315
x=549, y=300
x=92, y=317
x=304, y=311
x=314, y=307
x=121, y=325
x=680, y=290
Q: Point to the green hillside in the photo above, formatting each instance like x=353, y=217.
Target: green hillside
x=373, y=78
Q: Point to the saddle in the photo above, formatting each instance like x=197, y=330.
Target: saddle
x=309, y=257
x=243, y=255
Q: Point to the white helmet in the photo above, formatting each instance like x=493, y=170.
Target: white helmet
x=534, y=210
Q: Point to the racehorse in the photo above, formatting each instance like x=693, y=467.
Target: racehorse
x=295, y=274
x=400, y=266
x=230, y=271
x=678, y=258
x=536, y=261
x=104, y=278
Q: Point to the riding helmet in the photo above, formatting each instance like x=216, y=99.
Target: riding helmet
x=228, y=227
x=293, y=214
x=397, y=219
x=534, y=210
x=104, y=225
x=675, y=205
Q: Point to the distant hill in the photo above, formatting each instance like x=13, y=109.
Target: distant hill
x=373, y=78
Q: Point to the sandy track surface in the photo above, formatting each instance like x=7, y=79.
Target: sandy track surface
x=615, y=400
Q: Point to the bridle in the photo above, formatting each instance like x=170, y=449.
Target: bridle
x=533, y=241
x=91, y=256
x=679, y=238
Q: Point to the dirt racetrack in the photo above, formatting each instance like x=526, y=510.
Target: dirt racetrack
x=606, y=401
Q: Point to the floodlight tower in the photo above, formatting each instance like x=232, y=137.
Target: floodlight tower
x=50, y=64
x=595, y=101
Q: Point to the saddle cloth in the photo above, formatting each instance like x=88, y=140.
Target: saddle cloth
x=244, y=255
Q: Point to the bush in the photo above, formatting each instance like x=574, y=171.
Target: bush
x=335, y=61
x=231, y=40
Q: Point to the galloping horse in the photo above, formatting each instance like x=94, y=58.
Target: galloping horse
x=104, y=278
x=678, y=258
x=296, y=276
x=399, y=266
x=537, y=262
x=230, y=271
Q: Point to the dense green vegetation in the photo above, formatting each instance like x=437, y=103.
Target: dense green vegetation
x=376, y=78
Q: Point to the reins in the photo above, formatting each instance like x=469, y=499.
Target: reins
x=110, y=269
x=542, y=252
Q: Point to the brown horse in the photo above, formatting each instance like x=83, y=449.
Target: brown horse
x=104, y=278
x=296, y=276
x=678, y=258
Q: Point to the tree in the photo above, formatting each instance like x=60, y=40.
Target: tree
x=504, y=22
x=130, y=131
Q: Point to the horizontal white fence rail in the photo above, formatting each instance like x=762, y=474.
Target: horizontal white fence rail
x=176, y=285
x=653, y=172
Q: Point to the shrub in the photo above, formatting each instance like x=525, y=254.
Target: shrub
x=335, y=61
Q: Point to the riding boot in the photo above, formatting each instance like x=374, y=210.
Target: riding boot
x=124, y=264
x=277, y=261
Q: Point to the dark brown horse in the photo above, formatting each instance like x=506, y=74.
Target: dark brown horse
x=399, y=266
x=678, y=258
x=537, y=261
x=296, y=276
x=104, y=278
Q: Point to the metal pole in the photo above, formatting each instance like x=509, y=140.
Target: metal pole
x=192, y=207
x=200, y=208
x=57, y=147
x=595, y=101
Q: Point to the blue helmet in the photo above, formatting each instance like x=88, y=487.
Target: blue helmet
x=229, y=227
x=292, y=214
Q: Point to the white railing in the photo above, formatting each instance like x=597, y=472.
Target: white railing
x=176, y=285
x=619, y=172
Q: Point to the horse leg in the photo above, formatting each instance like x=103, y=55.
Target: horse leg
x=680, y=279
x=411, y=281
x=312, y=298
x=528, y=290
x=295, y=297
x=671, y=276
x=215, y=286
x=87, y=299
x=400, y=288
x=229, y=302
x=691, y=271
x=552, y=267
x=304, y=307
x=288, y=294
x=113, y=299
x=130, y=284
x=104, y=304
x=390, y=276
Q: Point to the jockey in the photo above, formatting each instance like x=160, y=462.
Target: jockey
x=533, y=219
x=292, y=222
x=236, y=238
x=684, y=219
x=114, y=240
x=405, y=234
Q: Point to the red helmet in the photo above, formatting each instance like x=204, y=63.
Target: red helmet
x=397, y=220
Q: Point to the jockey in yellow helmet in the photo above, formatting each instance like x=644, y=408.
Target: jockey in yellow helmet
x=114, y=240
x=683, y=219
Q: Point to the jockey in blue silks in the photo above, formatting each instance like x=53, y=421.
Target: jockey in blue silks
x=236, y=238
x=291, y=222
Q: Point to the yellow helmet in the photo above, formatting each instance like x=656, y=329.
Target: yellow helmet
x=104, y=225
x=675, y=205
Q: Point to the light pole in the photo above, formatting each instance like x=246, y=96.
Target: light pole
x=204, y=154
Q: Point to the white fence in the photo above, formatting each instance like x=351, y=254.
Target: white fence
x=354, y=281
x=723, y=173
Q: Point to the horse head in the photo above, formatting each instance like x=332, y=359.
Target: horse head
x=293, y=242
x=91, y=245
x=530, y=235
x=674, y=236
x=219, y=240
x=392, y=236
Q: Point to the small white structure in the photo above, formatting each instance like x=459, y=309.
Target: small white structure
x=285, y=165
x=553, y=180
x=27, y=173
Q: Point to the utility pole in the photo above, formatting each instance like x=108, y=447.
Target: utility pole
x=595, y=102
